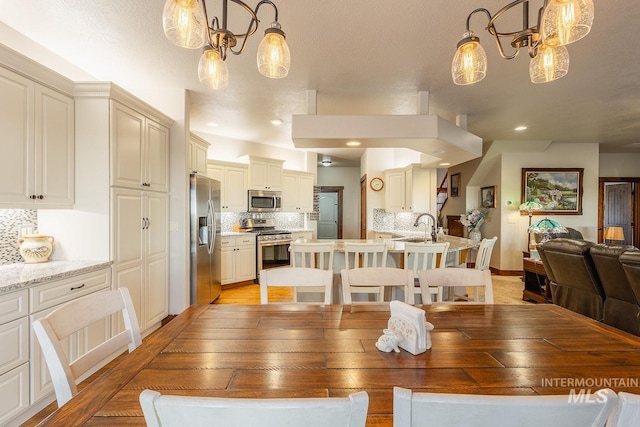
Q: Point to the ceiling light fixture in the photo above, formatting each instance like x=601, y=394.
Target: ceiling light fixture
x=353, y=143
x=559, y=22
x=326, y=163
x=276, y=122
x=185, y=24
x=520, y=128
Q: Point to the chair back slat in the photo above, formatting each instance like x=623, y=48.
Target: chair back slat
x=365, y=255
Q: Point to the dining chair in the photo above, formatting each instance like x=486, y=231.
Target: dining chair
x=375, y=280
x=74, y=316
x=449, y=278
x=411, y=409
x=424, y=256
x=301, y=279
x=365, y=255
x=177, y=411
x=626, y=412
x=482, y=261
x=312, y=255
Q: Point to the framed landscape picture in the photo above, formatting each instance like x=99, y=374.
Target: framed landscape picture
x=488, y=197
x=455, y=185
x=558, y=190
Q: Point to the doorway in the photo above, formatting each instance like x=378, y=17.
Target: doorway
x=363, y=207
x=330, y=212
x=619, y=205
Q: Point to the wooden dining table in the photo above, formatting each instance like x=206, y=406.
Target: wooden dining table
x=289, y=350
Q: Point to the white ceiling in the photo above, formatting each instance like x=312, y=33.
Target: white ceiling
x=361, y=57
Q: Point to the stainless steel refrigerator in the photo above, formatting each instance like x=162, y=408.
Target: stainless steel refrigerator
x=205, y=239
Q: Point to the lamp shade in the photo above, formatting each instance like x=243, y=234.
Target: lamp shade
x=549, y=64
x=184, y=23
x=614, y=233
x=212, y=70
x=274, y=58
x=530, y=206
x=566, y=21
x=547, y=226
x=470, y=61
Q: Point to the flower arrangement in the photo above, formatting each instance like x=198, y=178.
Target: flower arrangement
x=473, y=218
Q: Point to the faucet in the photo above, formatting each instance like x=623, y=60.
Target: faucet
x=434, y=237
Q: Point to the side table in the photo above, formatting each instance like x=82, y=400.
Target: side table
x=536, y=283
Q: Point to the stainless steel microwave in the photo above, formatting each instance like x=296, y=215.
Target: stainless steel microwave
x=265, y=201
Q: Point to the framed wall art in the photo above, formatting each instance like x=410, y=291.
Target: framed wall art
x=558, y=190
x=455, y=185
x=488, y=197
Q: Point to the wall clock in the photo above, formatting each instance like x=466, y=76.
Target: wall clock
x=376, y=184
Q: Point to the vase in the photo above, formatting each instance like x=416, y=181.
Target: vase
x=35, y=248
x=475, y=235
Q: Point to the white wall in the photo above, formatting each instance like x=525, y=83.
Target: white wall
x=619, y=165
x=349, y=178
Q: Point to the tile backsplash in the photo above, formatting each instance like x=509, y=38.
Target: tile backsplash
x=284, y=221
x=387, y=221
x=10, y=219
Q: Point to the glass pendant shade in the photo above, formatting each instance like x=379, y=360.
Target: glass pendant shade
x=274, y=58
x=566, y=21
x=184, y=23
x=469, y=64
x=212, y=70
x=551, y=63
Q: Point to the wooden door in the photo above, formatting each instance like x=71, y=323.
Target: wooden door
x=619, y=206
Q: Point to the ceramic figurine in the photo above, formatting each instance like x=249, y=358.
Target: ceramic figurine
x=389, y=341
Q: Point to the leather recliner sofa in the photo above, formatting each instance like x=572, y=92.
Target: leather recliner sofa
x=631, y=264
x=575, y=283
x=621, y=306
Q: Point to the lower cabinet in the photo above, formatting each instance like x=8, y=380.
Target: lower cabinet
x=238, y=258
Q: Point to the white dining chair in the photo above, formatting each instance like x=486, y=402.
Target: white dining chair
x=177, y=411
x=74, y=316
x=374, y=281
x=626, y=412
x=312, y=255
x=449, y=278
x=424, y=256
x=301, y=279
x=365, y=255
x=411, y=409
x=483, y=258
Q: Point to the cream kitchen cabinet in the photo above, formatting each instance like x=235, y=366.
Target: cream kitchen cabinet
x=140, y=251
x=139, y=150
x=410, y=189
x=295, y=235
x=265, y=174
x=297, y=192
x=233, y=185
x=37, y=163
x=197, y=155
x=238, y=258
x=47, y=297
x=14, y=354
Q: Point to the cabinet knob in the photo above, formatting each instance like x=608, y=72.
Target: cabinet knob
x=32, y=197
x=40, y=197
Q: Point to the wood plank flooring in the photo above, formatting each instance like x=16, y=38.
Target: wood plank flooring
x=506, y=289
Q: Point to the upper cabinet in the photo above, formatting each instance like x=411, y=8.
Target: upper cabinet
x=265, y=174
x=233, y=185
x=410, y=189
x=139, y=150
x=197, y=155
x=37, y=128
x=297, y=192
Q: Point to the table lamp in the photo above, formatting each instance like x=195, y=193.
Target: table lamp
x=547, y=226
x=530, y=207
x=614, y=234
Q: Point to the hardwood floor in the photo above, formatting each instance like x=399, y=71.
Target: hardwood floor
x=506, y=290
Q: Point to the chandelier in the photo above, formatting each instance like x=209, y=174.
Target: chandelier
x=559, y=23
x=186, y=25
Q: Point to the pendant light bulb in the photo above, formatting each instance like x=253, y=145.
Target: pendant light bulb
x=274, y=58
x=566, y=21
x=550, y=63
x=184, y=23
x=469, y=64
x=212, y=70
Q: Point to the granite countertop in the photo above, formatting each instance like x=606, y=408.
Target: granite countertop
x=397, y=245
x=17, y=276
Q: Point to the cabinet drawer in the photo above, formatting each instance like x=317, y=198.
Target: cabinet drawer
x=226, y=241
x=61, y=291
x=14, y=392
x=14, y=350
x=246, y=240
x=13, y=306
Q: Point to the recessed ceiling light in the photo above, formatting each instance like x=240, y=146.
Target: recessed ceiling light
x=353, y=143
x=212, y=124
x=438, y=151
x=276, y=122
x=326, y=163
x=520, y=128
x=445, y=164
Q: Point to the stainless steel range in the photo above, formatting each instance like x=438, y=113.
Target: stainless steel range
x=272, y=245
